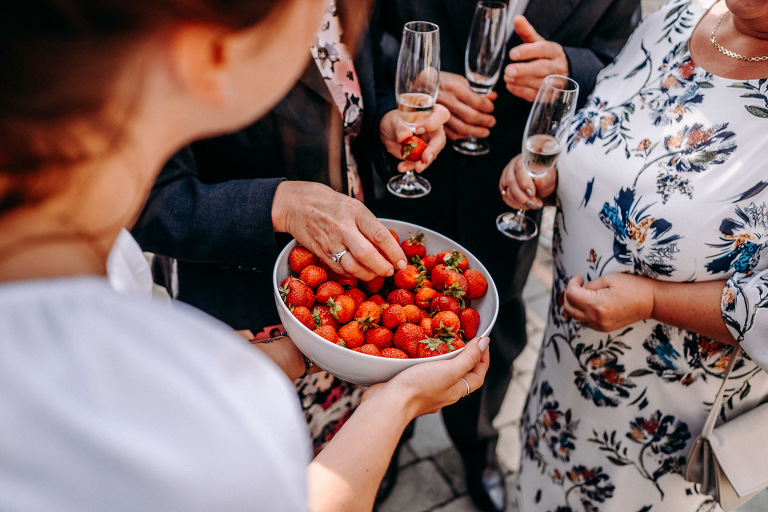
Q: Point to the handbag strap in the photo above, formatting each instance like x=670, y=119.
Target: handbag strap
x=709, y=425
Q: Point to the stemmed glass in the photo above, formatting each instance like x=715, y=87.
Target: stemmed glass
x=543, y=140
x=483, y=59
x=416, y=87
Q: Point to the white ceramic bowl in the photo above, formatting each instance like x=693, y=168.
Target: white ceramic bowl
x=362, y=368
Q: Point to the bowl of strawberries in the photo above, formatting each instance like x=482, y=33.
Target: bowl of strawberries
x=366, y=332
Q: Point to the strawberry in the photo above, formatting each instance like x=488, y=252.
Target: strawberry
x=327, y=332
x=414, y=246
x=357, y=295
x=424, y=282
x=342, y=308
x=426, y=324
x=373, y=286
x=286, y=281
x=432, y=347
x=438, y=276
x=380, y=337
x=352, y=334
x=423, y=297
x=392, y=316
x=299, y=258
x=429, y=261
x=455, y=344
x=313, y=276
x=322, y=315
x=412, y=313
x=296, y=293
x=394, y=353
x=400, y=296
x=443, y=257
x=470, y=321
x=369, y=349
x=304, y=315
x=477, y=284
x=444, y=303
x=446, y=324
x=376, y=299
x=458, y=260
x=367, y=313
x=407, y=278
x=346, y=281
x=328, y=290
x=394, y=235
x=407, y=338
x=412, y=148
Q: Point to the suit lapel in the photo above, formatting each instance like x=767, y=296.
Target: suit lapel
x=549, y=15
x=315, y=81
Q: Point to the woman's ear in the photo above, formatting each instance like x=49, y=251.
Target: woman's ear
x=200, y=59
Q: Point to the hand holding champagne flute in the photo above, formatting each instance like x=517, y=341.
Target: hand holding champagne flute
x=416, y=88
x=543, y=140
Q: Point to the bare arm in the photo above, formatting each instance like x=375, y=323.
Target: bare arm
x=354, y=462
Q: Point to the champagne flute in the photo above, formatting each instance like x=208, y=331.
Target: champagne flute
x=543, y=140
x=483, y=59
x=416, y=87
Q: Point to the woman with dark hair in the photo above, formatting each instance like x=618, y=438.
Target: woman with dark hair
x=110, y=402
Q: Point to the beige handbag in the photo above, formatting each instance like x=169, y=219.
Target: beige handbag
x=731, y=461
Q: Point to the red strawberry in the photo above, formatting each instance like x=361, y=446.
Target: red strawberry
x=313, y=275
x=296, y=293
x=373, y=286
x=446, y=324
x=470, y=320
x=327, y=332
x=368, y=349
x=400, y=296
x=444, y=303
x=345, y=281
x=352, y=334
x=429, y=261
x=443, y=257
x=376, y=299
x=426, y=324
x=394, y=235
x=455, y=344
x=328, y=290
x=458, y=260
x=432, y=347
x=367, y=313
x=412, y=148
x=424, y=297
x=407, y=278
x=477, y=284
x=299, y=258
x=304, y=315
x=342, y=308
x=414, y=246
x=438, y=276
x=394, y=353
x=380, y=337
x=412, y=313
x=357, y=295
x=322, y=315
x=424, y=282
x=407, y=338
x=392, y=316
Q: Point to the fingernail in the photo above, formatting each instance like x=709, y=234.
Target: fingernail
x=421, y=130
x=530, y=204
x=483, y=344
x=514, y=55
x=430, y=157
x=390, y=272
x=401, y=265
x=529, y=192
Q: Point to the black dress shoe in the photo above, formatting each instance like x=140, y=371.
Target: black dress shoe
x=487, y=488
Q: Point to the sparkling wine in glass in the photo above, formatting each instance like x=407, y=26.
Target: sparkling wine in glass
x=416, y=87
x=543, y=141
x=483, y=58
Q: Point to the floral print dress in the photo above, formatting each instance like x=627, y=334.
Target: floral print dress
x=664, y=175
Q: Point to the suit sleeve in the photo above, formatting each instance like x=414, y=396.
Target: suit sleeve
x=227, y=223
x=602, y=45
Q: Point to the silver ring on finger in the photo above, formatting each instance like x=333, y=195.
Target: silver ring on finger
x=338, y=255
x=466, y=384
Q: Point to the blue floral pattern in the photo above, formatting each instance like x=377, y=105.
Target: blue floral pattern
x=662, y=177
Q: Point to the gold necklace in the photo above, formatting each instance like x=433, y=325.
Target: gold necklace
x=728, y=52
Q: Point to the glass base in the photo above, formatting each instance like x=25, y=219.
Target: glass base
x=409, y=186
x=471, y=146
x=517, y=225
